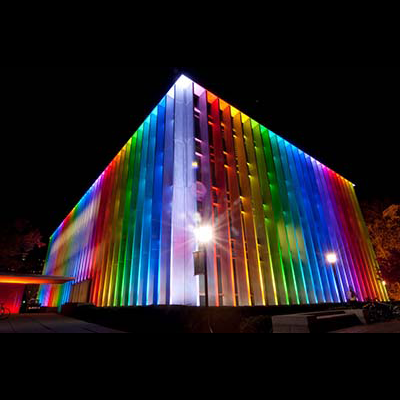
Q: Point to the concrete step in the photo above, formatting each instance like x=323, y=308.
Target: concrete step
x=320, y=322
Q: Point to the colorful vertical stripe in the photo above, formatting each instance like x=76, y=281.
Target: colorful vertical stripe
x=276, y=213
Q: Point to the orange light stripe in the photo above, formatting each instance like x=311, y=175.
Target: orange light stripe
x=30, y=280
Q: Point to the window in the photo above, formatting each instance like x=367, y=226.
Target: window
x=234, y=253
x=199, y=175
x=210, y=135
x=227, y=179
x=197, y=129
x=196, y=101
x=213, y=175
x=226, y=160
x=219, y=268
x=200, y=207
x=216, y=215
x=198, y=146
x=235, y=277
x=230, y=219
x=240, y=188
x=209, y=109
x=224, y=144
x=215, y=197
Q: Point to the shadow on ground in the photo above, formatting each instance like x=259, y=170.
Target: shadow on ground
x=178, y=319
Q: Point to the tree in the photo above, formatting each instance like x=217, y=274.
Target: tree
x=384, y=228
x=17, y=242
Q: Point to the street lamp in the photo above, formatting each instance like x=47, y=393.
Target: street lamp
x=332, y=260
x=204, y=235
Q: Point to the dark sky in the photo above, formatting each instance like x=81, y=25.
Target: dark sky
x=61, y=126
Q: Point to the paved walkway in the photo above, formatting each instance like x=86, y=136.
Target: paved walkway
x=387, y=327
x=49, y=323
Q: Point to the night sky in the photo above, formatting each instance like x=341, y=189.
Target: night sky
x=60, y=127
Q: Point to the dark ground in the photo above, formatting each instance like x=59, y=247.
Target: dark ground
x=49, y=323
x=162, y=320
x=385, y=327
x=177, y=319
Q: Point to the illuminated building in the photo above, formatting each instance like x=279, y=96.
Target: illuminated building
x=275, y=212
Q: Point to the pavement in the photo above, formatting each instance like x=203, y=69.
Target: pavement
x=49, y=323
x=386, y=327
x=55, y=323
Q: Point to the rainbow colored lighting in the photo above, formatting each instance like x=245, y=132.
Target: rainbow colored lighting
x=275, y=212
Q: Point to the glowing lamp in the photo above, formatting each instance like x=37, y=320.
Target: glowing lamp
x=204, y=234
x=331, y=258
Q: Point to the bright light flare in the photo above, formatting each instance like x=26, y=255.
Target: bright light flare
x=332, y=258
x=204, y=234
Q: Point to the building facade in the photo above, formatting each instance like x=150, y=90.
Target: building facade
x=196, y=161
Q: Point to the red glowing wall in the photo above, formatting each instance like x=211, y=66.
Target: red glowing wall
x=11, y=296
